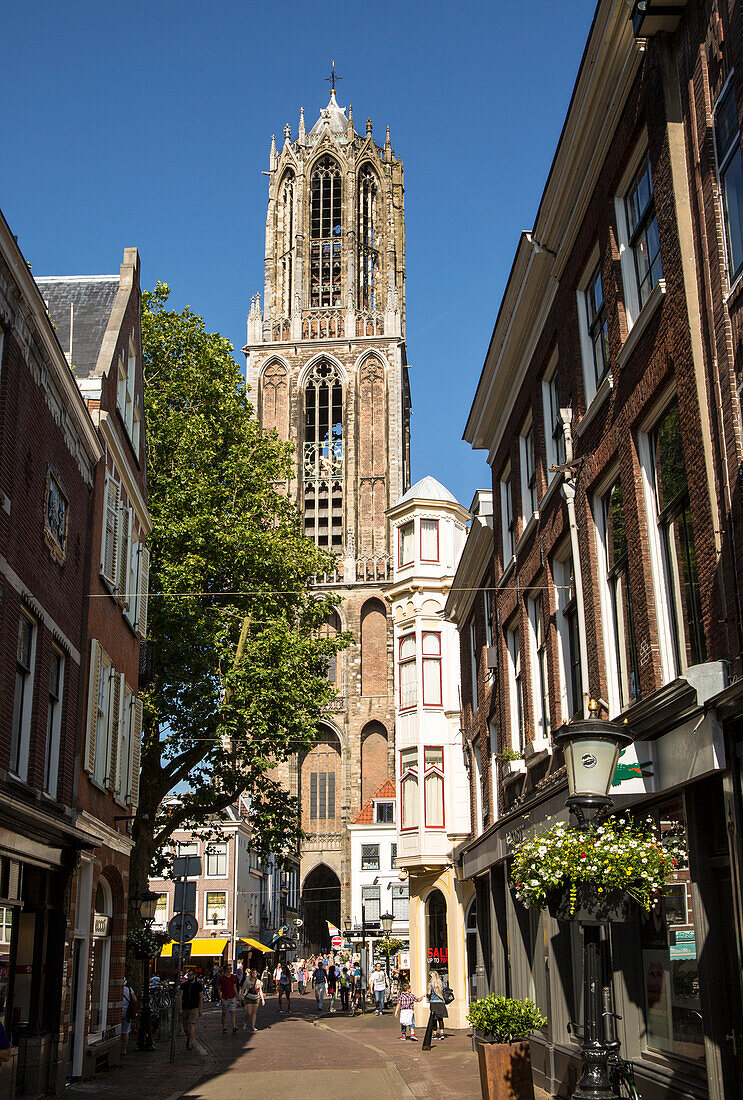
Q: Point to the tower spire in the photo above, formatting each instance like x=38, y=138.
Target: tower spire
x=301, y=131
x=349, y=129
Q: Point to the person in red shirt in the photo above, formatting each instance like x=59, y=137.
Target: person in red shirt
x=228, y=996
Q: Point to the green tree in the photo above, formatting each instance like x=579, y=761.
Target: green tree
x=240, y=665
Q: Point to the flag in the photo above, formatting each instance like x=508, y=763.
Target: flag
x=332, y=929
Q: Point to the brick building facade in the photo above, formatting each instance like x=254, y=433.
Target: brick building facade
x=609, y=408
x=326, y=361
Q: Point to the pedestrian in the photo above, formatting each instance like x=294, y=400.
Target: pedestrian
x=308, y=968
x=332, y=984
x=284, y=986
x=266, y=979
x=216, y=972
x=436, y=1009
x=299, y=971
x=345, y=983
x=129, y=1012
x=192, y=1004
x=378, y=986
x=277, y=975
x=252, y=995
x=406, y=1011
x=320, y=981
x=228, y=997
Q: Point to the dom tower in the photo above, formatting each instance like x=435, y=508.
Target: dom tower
x=326, y=362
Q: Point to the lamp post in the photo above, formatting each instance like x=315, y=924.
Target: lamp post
x=387, y=920
x=146, y=904
x=591, y=750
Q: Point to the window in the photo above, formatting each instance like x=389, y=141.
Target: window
x=216, y=860
x=53, y=722
x=161, y=911
x=553, y=429
x=410, y=810
x=431, y=646
x=516, y=690
x=370, y=901
x=400, y=902
x=326, y=234
x=730, y=172
x=638, y=224
x=368, y=256
x=285, y=241
x=105, y=698
x=384, y=813
x=679, y=563
x=569, y=637
x=23, y=697
x=322, y=477
x=55, y=518
x=493, y=733
x=188, y=848
x=474, y=653
x=6, y=925
x=507, y=520
x=487, y=603
x=322, y=795
x=405, y=543
x=369, y=857
x=433, y=787
x=477, y=784
x=110, y=529
x=121, y=387
x=528, y=475
x=407, y=672
x=393, y=855
x=215, y=908
x=429, y=540
x=540, y=682
x=621, y=649
x=598, y=333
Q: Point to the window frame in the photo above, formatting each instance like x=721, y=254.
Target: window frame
x=388, y=804
x=528, y=465
x=53, y=745
x=209, y=855
x=373, y=894
x=508, y=518
x=434, y=771
x=435, y=523
x=20, y=743
x=474, y=677
x=634, y=306
x=723, y=161
x=372, y=861
x=409, y=774
x=539, y=668
x=562, y=572
x=215, y=893
x=404, y=527
x=516, y=703
x=554, y=434
x=412, y=660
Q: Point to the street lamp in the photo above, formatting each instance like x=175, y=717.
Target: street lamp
x=591, y=750
x=146, y=905
x=387, y=920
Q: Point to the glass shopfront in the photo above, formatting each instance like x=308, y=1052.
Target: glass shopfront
x=438, y=940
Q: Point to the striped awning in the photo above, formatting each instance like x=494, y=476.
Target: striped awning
x=256, y=944
x=210, y=946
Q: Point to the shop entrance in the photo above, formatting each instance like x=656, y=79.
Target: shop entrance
x=321, y=902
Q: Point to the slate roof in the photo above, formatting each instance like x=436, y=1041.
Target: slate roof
x=366, y=814
x=335, y=115
x=428, y=488
x=92, y=298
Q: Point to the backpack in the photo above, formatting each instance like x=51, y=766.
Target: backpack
x=448, y=995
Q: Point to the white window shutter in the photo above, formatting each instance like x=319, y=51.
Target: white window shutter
x=106, y=491
x=112, y=728
x=110, y=553
x=94, y=679
x=136, y=751
x=124, y=534
x=144, y=584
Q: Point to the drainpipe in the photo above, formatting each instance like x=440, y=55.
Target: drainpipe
x=568, y=491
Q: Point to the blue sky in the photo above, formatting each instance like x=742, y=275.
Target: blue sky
x=150, y=124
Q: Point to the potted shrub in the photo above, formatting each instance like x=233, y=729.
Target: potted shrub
x=502, y=1026
x=594, y=873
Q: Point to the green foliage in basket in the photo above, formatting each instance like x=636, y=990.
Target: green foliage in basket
x=613, y=856
x=505, y=1019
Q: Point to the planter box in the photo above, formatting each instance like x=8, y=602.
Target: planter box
x=590, y=907
x=505, y=1069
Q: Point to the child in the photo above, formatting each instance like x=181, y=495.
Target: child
x=405, y=1009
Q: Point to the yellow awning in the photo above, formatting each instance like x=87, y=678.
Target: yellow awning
x=198, y=947
x=256, y=944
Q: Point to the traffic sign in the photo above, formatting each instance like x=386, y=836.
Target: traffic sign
x=297, y=922
x=182, y=951
x=187, y=923
x=336, y=941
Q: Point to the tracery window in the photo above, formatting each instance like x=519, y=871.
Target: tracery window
x=368, y=257
x=325, y=234
x=322, y=472
x=285, y=241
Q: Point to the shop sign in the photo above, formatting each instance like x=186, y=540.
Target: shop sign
x=438, y=955
x=685, y=946
x=101, y=925
x=403, y=960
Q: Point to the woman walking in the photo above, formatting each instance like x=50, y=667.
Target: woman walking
x=284, y=986
x=252, y=996
x=436, y=1009
x=129, y=1012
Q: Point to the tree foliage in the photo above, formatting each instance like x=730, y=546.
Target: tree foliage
x=227, y=557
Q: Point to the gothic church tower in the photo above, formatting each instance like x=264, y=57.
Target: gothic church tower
x=327, y=367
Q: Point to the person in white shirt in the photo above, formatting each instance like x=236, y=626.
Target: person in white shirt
x=378, y=987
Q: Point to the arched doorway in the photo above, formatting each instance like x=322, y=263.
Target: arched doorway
x=438, y=938
x=321, y=902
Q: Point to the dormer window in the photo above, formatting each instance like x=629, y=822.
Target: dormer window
x=384, y=813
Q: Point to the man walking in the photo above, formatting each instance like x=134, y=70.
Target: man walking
x=228, y=997
x=320, y=981
x=378, y=986
x=192, y=1002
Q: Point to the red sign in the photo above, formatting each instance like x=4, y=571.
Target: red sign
x=336, y=941
x=438, y=955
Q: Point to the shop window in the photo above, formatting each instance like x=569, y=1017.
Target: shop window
x=433, y=787
x=432, y=686
x=429, y=540
x=400, y=903
x=369, y=857
x=23, y=697
x=438, y=940
x=215, y=908
x=405, y=537
x=410, y=810
x=100, y=957
x=471, y=934
x=670, y=955
x=730, y=173
x=216, y=860
x=407, y=672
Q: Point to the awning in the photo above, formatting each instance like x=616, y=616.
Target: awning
x=210, y=946
x=256, y=944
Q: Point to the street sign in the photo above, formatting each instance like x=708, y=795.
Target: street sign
x=297, y=922
x=182, y=951
x=187, y=867
x=336, y=941
x=185, y=921
x=185, y=897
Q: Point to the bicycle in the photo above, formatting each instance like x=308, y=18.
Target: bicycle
x=160, y=999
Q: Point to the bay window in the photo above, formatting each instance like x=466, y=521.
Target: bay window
x=433, y=787
x=407, y=672
x=409, y=806
x=431, y=647
x=429, y=540
x=405, y=546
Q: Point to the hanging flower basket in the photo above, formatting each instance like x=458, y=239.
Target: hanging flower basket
x=145, y=944
x=594, y=873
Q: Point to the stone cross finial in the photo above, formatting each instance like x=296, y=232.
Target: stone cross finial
x=369, y=126
x=287, y=131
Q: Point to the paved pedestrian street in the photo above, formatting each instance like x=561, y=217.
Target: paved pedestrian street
x=296, y=1057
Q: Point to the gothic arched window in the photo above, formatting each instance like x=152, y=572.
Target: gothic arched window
x=322, y=456
x=325, y=233
x=285, y=244
x=368, y=257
